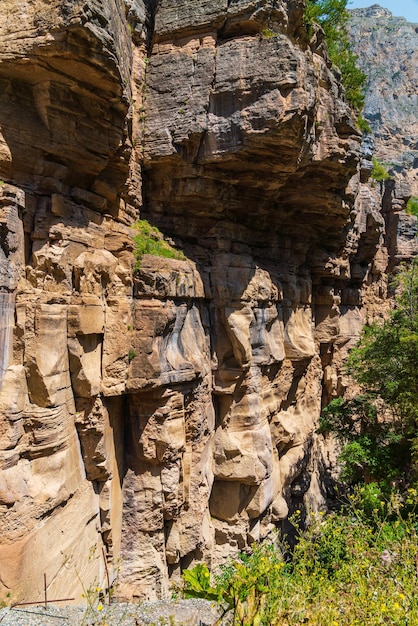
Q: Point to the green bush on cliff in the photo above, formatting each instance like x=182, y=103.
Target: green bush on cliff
x=149, y=240
x=379, y=171
x=332, y=15
x=363, y=125
x=412, y=206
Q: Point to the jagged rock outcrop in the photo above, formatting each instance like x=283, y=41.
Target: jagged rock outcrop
x=158, y=416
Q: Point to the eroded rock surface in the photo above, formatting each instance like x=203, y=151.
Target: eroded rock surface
x=387, y=49
x=155, y=417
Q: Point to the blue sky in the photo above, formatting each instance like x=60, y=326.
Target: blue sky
x=405, y=8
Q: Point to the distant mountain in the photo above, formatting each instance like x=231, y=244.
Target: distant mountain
x=387, y=47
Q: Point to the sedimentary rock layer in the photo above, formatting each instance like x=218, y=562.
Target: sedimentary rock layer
x=157, y=415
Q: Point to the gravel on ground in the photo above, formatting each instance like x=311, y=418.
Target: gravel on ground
x=181, y=612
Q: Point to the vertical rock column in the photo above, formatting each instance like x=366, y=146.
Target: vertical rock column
x=166, y=488
x=11, y=262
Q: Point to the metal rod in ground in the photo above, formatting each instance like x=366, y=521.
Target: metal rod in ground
x=46, y=600
x=38, y=602
x=37, y=613
x=107, y=574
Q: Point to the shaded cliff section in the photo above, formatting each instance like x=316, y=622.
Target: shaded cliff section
x=153, y=418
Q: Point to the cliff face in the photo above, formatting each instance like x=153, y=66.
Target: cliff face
x=387, y=47
x=155, y=417
x=388, y=55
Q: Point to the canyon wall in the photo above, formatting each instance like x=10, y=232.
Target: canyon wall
x=158, y=413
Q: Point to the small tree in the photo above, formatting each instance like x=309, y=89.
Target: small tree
x=332, y=15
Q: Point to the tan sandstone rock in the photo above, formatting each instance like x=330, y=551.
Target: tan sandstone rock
x=162, y=411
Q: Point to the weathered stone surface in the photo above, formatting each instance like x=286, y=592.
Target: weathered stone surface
x=154, y=417
x=392, y=90
x=65, y=88
x=391, y=109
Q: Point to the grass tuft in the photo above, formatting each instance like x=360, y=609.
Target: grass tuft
x=149, y=240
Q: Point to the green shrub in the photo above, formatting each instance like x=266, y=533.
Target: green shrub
x=354, y=567
x=379, y=172
x=363, y=125
x=149, y=240
x=373, y=448
x=242, y=586
x=131, y=354
x=412, y=206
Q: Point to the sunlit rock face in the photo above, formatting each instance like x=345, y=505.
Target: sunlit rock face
x=65, y=281
x=387, y=47
x=155, y=416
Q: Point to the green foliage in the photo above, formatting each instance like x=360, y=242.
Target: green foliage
x=242, y=587
x=412, y=206
x=267, y=33
x=373, y=448
x=131, y=354
x=332, y=15
x=379, y=427
x=386, y=359
x=197, y=583
x=354, y=567
x=149, y=240
x=379, y=172
x=363, y=124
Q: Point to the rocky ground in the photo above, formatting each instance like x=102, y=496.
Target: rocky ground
x=172, y=613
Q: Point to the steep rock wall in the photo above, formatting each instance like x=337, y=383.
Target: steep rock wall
x=66, y=280
x=156, y=417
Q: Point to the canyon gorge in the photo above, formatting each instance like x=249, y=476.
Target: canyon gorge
x=159, y=412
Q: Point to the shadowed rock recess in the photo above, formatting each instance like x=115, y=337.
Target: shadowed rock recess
x=156, y=417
